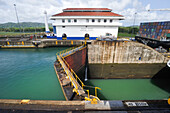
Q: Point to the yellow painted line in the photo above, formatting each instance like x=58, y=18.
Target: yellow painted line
x=25, y=101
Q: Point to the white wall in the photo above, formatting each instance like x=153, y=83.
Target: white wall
x=81, y=27
x=80, y=31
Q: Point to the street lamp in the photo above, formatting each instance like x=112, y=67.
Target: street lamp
x=134, y=22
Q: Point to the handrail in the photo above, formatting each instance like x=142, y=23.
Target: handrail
x=63, y=51
x=94, y=88
x=69, y=74
x=73, y=73
x=68, y=52
x=82, y=84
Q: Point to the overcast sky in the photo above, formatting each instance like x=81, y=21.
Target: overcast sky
x=32, y=10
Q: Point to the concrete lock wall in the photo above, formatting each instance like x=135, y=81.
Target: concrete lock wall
x=120, y=59
x=54, y=42
x=77, y=62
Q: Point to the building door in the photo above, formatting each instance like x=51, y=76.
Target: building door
x=54, y=30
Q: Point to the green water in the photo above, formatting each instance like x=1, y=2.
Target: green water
x=29, y=74
x=128, y=89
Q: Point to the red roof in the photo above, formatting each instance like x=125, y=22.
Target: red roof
x=87, y=14
x=86, y=9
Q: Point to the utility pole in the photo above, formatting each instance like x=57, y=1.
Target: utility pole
x=17, y=17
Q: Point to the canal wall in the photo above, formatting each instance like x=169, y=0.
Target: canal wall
x=77, y=62
x=39, y=43
x=54, y=43
x=123, y=59
x=109, y=71
x=123, y=52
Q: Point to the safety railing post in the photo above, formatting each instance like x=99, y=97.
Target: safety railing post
x=88, y=93
x=96, y=91
x=82, y=85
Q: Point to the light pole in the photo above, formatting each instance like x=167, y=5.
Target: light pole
x=17, y=17
x=134, y=23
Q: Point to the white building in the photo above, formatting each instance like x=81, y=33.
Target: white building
x=76, y=22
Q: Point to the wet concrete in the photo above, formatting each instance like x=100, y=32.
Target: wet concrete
x=131, y=70
x=123, y=59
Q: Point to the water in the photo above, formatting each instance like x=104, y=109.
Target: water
x=129, y=89
x=29, y=74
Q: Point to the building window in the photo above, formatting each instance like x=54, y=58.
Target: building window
x=63, y=26
x=75, y=20
x=87, y=20
x=63, y=20
x=99, y=20
x=105, y=20
x=69, y=20
x=111, y=21
x=93, y=20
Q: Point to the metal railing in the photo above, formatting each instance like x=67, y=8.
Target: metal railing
x=68, y=69
x=74, y=74
x=69, y=51
x=64, y=51
x=78, y=89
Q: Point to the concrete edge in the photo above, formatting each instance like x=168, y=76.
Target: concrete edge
x=60, y=83
x=114, y=105
x=43, y=102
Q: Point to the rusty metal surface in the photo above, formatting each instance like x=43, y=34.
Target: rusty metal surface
x=71, y=77
x=77, y=60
